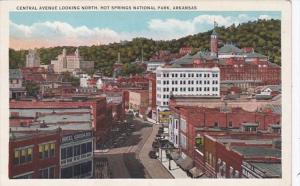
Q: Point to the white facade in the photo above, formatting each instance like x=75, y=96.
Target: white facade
x=67, y=63
x=32, y=59
x=84, y=79
x=185, y=82
x=153, y=65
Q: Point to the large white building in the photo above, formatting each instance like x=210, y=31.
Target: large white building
x=153, y=65
x=70, y=63
x=32, y=58
x=185, y=82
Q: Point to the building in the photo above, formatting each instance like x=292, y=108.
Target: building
x=210, y=138
x=225, y=156
x=76, y=154
x=153, y=65
x=34, y=154
x=185, y=82
x=84, y=80
x=138, y=101
x=16, y=88
x=55, y=138
x=185, y=50
x=95, y=108
x=32, y=58
x=70, y=63
x=243, y=68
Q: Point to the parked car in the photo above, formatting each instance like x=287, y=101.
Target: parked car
x=152, y=154
x=155, y=144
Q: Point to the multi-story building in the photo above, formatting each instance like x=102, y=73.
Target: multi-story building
x=153, y=65
x=241, y=67
x=138, y=101
x=189, y=82
x=70, y=63
x=16, y=88
x=32, y=59
x=34, y=154
x=56, y=141
x=95, y=113
x=76, y=154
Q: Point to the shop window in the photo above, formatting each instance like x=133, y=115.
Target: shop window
x=77, y=150
x=83, y=148
x=89, y=147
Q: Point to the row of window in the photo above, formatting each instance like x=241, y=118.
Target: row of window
x=76, y=150
x=81, y=170
x=173, y=75
x=190, y=82
x=25, y=155
x=189, y=89
x=46, y=150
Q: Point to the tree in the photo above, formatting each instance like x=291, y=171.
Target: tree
x=31, y=88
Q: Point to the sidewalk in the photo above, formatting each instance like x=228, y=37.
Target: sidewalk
x=176, y=171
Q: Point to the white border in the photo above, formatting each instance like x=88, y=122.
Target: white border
x=296, y=93
x=275, y=5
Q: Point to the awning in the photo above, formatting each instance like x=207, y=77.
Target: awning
x=196, y=173
x=186, y=163
x=175, y=155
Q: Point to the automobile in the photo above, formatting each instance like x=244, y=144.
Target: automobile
x=164, y=142
x=155, y=144
x=152, y=154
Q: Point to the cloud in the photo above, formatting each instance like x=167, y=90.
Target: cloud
x=58, y=33
x=61, y=33
x=267, y=17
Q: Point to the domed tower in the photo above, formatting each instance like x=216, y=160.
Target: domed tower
x=214, y=41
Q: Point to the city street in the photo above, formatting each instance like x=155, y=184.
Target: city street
x=130, y=159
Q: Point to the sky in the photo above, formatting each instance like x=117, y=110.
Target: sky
x=48, y=29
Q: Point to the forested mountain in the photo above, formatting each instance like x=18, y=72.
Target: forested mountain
x=263, y=35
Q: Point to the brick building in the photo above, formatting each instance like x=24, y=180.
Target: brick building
x=34, y=154
x=242, y=67
x=189, y=123
x=99, y=110
x=138, y=101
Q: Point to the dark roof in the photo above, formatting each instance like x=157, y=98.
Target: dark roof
x=270, y=169
x=249, y=151
x=15, y=74
x=229, y=48
x=187, y=59
x=255, y=54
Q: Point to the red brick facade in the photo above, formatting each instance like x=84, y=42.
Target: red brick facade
x=36, y=164
x=102, y=113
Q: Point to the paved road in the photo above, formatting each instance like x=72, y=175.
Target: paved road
x=154, y=167
x=132, y=160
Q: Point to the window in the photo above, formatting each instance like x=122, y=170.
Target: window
x=47, y=172
x=89, y=147
x=46, y=150
x=83, y=148
x=22, y=155
x=69, y=152
x=230, y=124
x=183, y=125
x=63, y=153
x=216, y=124
x=77, y=150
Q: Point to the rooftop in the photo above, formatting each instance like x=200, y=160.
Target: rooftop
x=249, y=151
x=15, y=74
x=270, y=169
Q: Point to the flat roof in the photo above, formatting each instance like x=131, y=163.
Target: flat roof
x=271, y=169
x=249, y=151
